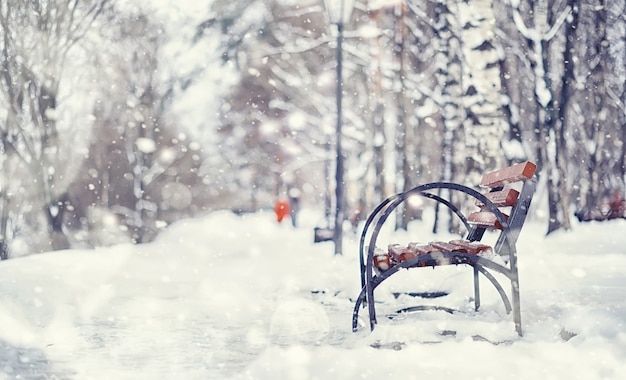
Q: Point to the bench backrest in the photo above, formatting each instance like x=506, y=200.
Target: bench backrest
x=512, y=202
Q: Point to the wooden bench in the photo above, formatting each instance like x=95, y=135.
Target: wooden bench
x=503, y=208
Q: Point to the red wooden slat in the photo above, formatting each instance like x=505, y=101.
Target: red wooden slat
x=514, y=173
x=421, y=248
x=400, y=253
x=447, y=247
x=485, y=219
x=472, y=247
x=502, y=198
x=382, y=260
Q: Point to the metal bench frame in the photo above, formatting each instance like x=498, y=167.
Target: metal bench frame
x=505, y=246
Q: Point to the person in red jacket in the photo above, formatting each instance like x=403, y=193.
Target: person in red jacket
x=281, y=209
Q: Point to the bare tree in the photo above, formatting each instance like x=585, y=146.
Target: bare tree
x=144, y=171
x=600, y=73
x=537, y=37
x=38, y=38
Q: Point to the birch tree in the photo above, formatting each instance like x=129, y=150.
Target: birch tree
x=448, y=75
x=483, y=124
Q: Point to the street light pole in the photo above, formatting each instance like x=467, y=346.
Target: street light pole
x=339, y=12
x=327, y=199
x=339, y=185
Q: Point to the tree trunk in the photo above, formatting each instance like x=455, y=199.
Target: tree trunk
x=402, y=126
x=538, y=41
x=378, y=118
x=448, y=78
x=568, y=81
x=483, y=127
x=4, y=224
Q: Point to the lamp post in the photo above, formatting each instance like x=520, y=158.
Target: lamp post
x=339, y=12
x=327, y=204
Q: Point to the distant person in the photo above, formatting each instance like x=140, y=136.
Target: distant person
x=294, y=204
x=281, y=209
x=357, y=215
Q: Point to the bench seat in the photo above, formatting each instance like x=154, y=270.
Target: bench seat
x=396, y=253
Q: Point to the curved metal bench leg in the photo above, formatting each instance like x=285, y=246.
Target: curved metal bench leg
x=476, y=289
x=355, y=312
x=371, y=308
x=365, y=296
x=496, y=284
x=367, y=293
x=517, y=314
x=515, y=308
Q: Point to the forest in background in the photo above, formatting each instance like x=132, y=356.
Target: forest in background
x=120, y=117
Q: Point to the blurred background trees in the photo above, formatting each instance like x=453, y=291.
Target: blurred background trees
x=119, y=117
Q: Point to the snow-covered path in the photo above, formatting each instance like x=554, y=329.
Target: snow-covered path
x=244, y=298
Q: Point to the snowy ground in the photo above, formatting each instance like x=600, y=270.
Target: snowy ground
x=228, y=297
